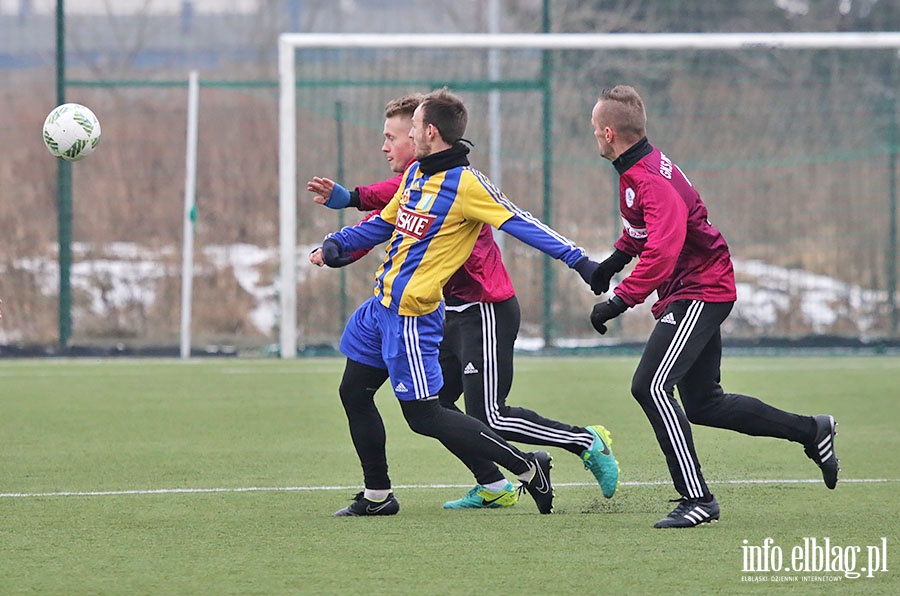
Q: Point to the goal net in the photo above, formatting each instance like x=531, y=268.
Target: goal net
x=791, y=139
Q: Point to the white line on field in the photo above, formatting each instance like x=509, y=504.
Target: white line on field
x=286, y=489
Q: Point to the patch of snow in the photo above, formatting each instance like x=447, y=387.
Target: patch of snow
x=122, y=274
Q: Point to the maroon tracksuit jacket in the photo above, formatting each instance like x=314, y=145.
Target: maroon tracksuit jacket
x=682, y=256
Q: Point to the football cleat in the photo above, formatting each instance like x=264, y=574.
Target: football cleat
x=599, y=459
x=821, y=450
x=482, y=498
x=690, y=513
x=539, y=486
x=363, y=506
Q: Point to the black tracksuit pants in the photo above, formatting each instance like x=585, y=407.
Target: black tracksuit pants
x=470, y=440
x=685, y=351
x=476, y=358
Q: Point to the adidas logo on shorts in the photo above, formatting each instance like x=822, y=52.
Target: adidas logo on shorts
x=470, y=369
x=401, y=388
x=669, y=318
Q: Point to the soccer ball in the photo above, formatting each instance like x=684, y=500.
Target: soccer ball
x=71, y=132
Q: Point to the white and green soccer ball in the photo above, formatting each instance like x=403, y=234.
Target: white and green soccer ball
x=71, y=131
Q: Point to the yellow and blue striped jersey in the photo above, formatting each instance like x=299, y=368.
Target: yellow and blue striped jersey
x=432, y=223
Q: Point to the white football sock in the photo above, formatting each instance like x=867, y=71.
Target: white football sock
x=496, y=487
x=376, y=496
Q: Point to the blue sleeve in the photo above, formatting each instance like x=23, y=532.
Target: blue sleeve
x=530, y=230
x=364, y=235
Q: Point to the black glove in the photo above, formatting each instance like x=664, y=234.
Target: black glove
x=586, y=268
x=605, y=271
x=333, y=254
x=604, y=311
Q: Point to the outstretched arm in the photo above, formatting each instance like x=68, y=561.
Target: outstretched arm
x=530, y=230
x=533, y=232
x=363, y=236
x=317, y=256
x=486, y=203
x=365, y=198
x=331, y=194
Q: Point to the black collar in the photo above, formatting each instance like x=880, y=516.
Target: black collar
x=632, y=155
x=441, y=161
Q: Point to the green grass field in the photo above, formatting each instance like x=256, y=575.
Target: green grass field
x=220, y=477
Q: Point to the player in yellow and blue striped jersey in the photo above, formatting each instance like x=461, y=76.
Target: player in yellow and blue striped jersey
x=431, y=225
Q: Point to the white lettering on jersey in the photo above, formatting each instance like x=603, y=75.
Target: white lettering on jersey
x=665, y=166
x=637, y=233
x=413, y=224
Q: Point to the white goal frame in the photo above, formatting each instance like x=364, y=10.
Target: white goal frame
x=288, y=43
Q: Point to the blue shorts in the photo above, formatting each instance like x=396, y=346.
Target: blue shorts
x=406, y=346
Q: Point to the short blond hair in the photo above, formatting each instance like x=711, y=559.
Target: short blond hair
x=623, y=110
x=403, y=106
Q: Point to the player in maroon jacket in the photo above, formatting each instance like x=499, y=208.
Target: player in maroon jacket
x=687, y=262
x=480, y=328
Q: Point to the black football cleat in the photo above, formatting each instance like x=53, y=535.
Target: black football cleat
x=363, y=506
x=821, y=450
x=539, y=486
x=690, y=513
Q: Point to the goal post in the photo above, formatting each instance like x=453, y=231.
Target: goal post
x=290, y=43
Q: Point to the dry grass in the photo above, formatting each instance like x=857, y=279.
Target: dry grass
x=810, y=195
